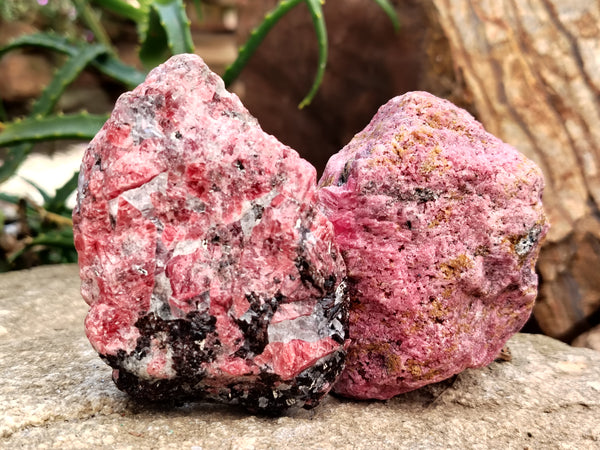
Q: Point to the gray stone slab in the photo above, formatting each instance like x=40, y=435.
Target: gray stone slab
x=40, y=301
x=56, y=393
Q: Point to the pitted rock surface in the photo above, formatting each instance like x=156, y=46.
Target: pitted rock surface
x=439, y=224
x=209, y=271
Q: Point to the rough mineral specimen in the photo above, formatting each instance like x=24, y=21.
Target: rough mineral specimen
x=439, y=224
x=209, y=271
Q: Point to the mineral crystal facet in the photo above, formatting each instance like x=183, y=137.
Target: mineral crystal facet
x=439, y=224
x=209, y=271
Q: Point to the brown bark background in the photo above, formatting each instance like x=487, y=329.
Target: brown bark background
x=533, y=68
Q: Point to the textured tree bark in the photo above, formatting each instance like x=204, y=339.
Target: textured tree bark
x=533, y=68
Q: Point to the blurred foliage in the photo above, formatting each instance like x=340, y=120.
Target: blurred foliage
x=40, y=234
x=56, y=15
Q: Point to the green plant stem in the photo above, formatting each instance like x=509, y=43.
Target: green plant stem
x=259, y=33
x=388, y=8
x=89, y=17
x=256, y=37
x=316, y=13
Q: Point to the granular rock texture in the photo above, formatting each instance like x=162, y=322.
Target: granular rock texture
x=439, y=224
x=209, y=271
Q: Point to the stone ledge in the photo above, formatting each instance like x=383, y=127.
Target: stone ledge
x=56, y=392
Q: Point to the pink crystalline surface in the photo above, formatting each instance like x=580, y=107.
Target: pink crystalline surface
x=439, y=224
x=208, y=269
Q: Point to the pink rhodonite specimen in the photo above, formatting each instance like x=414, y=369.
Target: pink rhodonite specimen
x=209, y=271
x=439, y=224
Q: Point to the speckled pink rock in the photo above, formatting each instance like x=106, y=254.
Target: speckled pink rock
x=209, y=271
x=439, y=224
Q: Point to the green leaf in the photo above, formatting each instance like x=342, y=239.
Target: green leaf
x=114, y=68
x=72, y=126
x=15, y=200
x=62, y=238
x=125, y=9
x=166, y=32
x=13, y=159
x=49, y=41
x=259, y=33
x=143, y=24
x=155, y=48
x=316, y=13
x=8, y=198
x=174, y=20
x=38, y=188
x=105, y=63
x=80, y=56
x=57, y=203
x=64, y=76
x=388, y=8
x=256, y=37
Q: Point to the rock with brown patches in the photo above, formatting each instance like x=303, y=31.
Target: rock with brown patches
x=439, y=224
